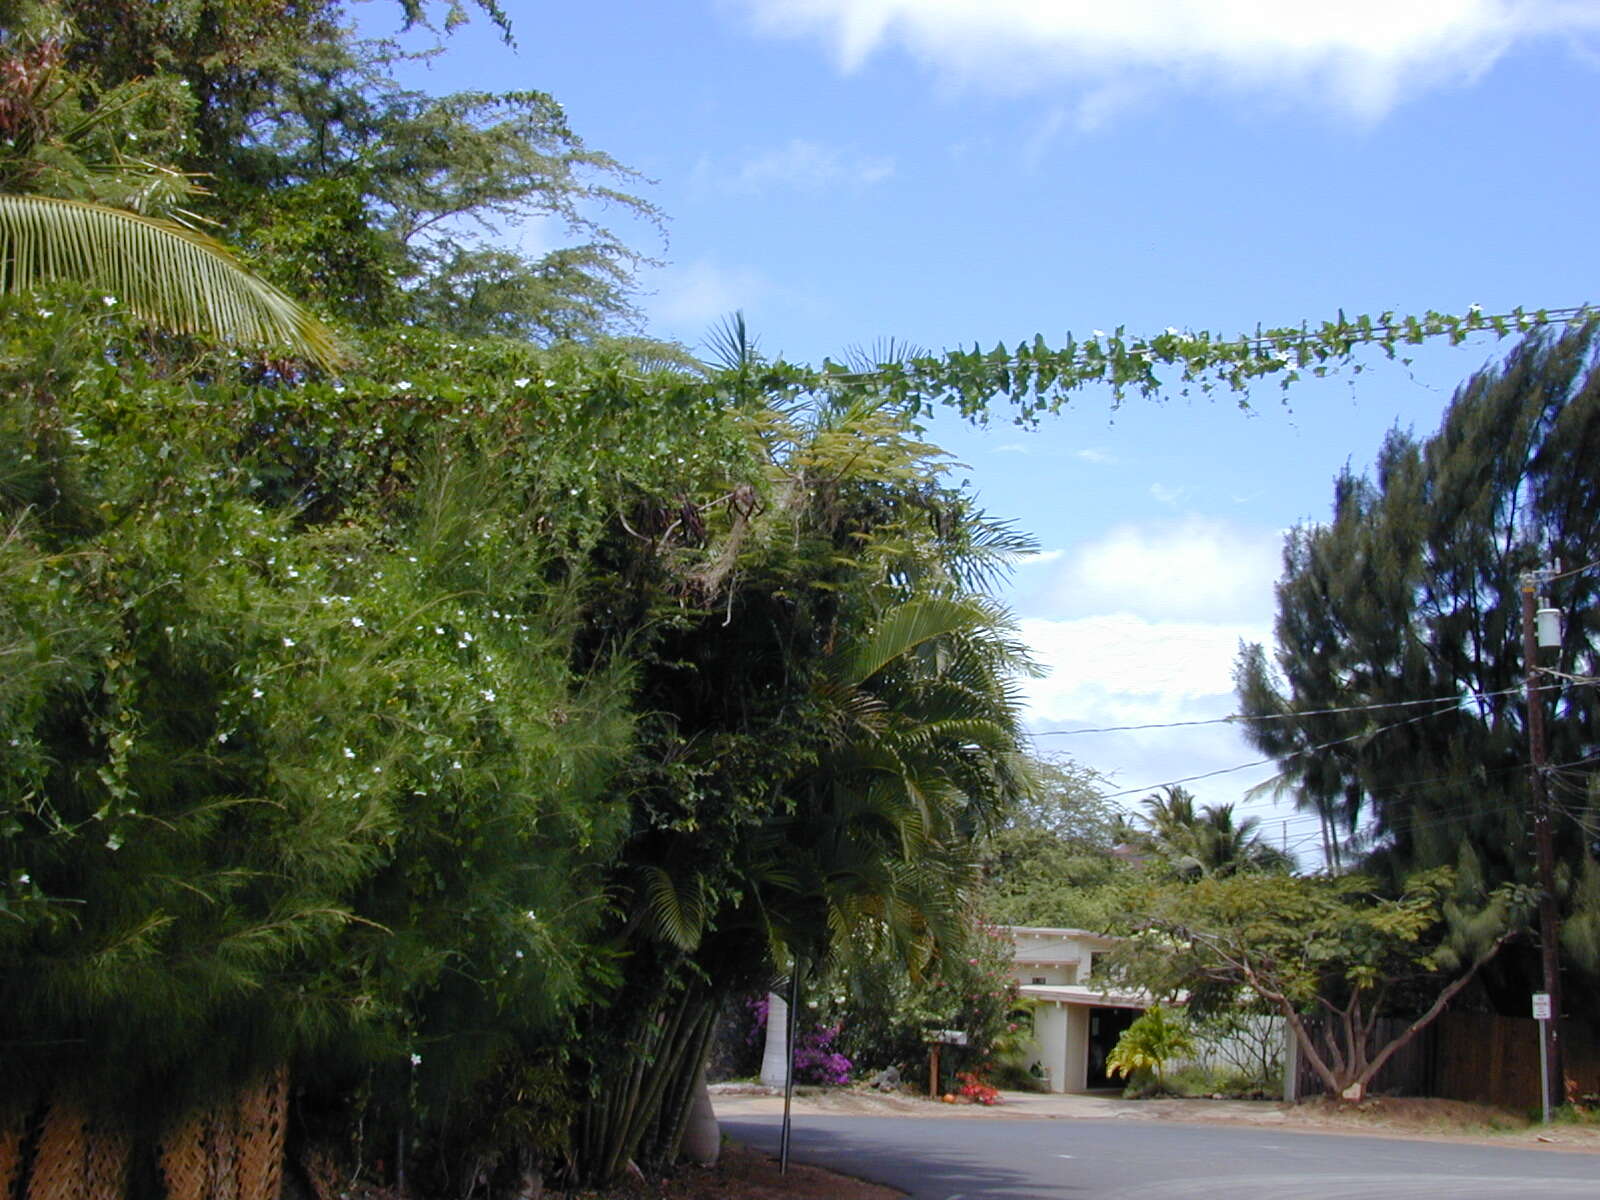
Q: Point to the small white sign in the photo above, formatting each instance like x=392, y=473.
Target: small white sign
x=1541, y=1006
x=950, y=1037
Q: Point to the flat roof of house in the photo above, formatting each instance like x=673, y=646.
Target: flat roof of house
x=1068, y=994
x=1087, y=935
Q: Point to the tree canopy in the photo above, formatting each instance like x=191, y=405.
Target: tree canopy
x=1336, y=947
x=1393, y=700
x=452, y=733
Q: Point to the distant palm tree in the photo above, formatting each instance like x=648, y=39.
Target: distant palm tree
x=173, y=277
x=1208, y=840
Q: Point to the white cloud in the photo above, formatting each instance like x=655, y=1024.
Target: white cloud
x=1359, y=55
x=1141, y=626
x=1121, y=669
x=1189, y=568
x=700, y=292
x=1042, y=558
x=802, y=165
x=1165, y=494
x=1091, y=454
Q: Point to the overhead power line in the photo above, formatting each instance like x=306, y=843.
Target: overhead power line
x=1455, y=702
x=1241, y=718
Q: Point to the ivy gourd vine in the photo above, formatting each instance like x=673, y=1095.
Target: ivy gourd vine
x=1039, y=379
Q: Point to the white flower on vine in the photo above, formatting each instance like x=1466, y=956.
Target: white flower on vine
x=349, y=753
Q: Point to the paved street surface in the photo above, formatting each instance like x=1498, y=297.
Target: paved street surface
x=943, y=1158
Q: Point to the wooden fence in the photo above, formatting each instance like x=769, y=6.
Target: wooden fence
x=1475, y=1056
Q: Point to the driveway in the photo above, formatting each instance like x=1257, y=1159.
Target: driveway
x=952, y=1158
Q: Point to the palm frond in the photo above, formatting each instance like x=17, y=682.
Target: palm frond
x=677, y=912
x=904, y=629
x=174, y=277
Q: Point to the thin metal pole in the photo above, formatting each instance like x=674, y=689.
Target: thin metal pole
x=1544, y=844
x=1544, y=1069
x=788, y=1075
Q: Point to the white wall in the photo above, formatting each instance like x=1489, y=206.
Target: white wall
x=1056, y=975
x=1050, y=1043
x=1076, y=1076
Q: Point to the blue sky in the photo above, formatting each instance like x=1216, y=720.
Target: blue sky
x=959, y=171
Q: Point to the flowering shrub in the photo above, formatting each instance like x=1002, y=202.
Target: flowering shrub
x=886, y=1016
x=975, y=1089
x=815, y=1059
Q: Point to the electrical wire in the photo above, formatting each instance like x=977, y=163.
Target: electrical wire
x=1240, y=718
x=1573, y=571
x=1455, y=704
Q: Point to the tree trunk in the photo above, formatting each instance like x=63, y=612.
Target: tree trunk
x=702, y=1137
x=775, y=1054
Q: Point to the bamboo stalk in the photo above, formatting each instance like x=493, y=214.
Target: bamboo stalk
x=677, y=1118
x=613, y=1149
x=656, y=1077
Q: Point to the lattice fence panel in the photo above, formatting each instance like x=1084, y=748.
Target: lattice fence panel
x=59, y=1154
x=183, y=1160
x=232, y=1152
x=105, y=1173
x=262, y=1122
x=10, y=1162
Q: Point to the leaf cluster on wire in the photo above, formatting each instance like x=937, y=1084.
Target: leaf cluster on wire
x=1038, y=378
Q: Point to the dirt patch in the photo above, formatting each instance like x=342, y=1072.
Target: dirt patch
x=747, y=1174
x=1448, y=1120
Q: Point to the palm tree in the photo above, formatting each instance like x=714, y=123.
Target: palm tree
x=167, y=274
x=1225, y=846
x=1207, y=840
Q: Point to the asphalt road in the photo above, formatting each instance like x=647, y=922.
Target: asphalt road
x=936, y=1158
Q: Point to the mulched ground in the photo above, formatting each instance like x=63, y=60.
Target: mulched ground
x=746, y=1174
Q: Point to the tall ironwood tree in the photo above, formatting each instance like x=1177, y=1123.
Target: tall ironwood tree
x=1392, y=700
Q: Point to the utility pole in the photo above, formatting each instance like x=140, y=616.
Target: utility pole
x=1544, y=843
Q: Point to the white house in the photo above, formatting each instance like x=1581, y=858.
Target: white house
x=1074, y=1025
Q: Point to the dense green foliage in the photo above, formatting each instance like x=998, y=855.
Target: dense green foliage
x=886, y=1016
x=1060, y=860
x=467, y=726
x=459, y=730
x=1402, y=612
x=1182, y=840
x=1156, y=1037
x=1334, y=946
